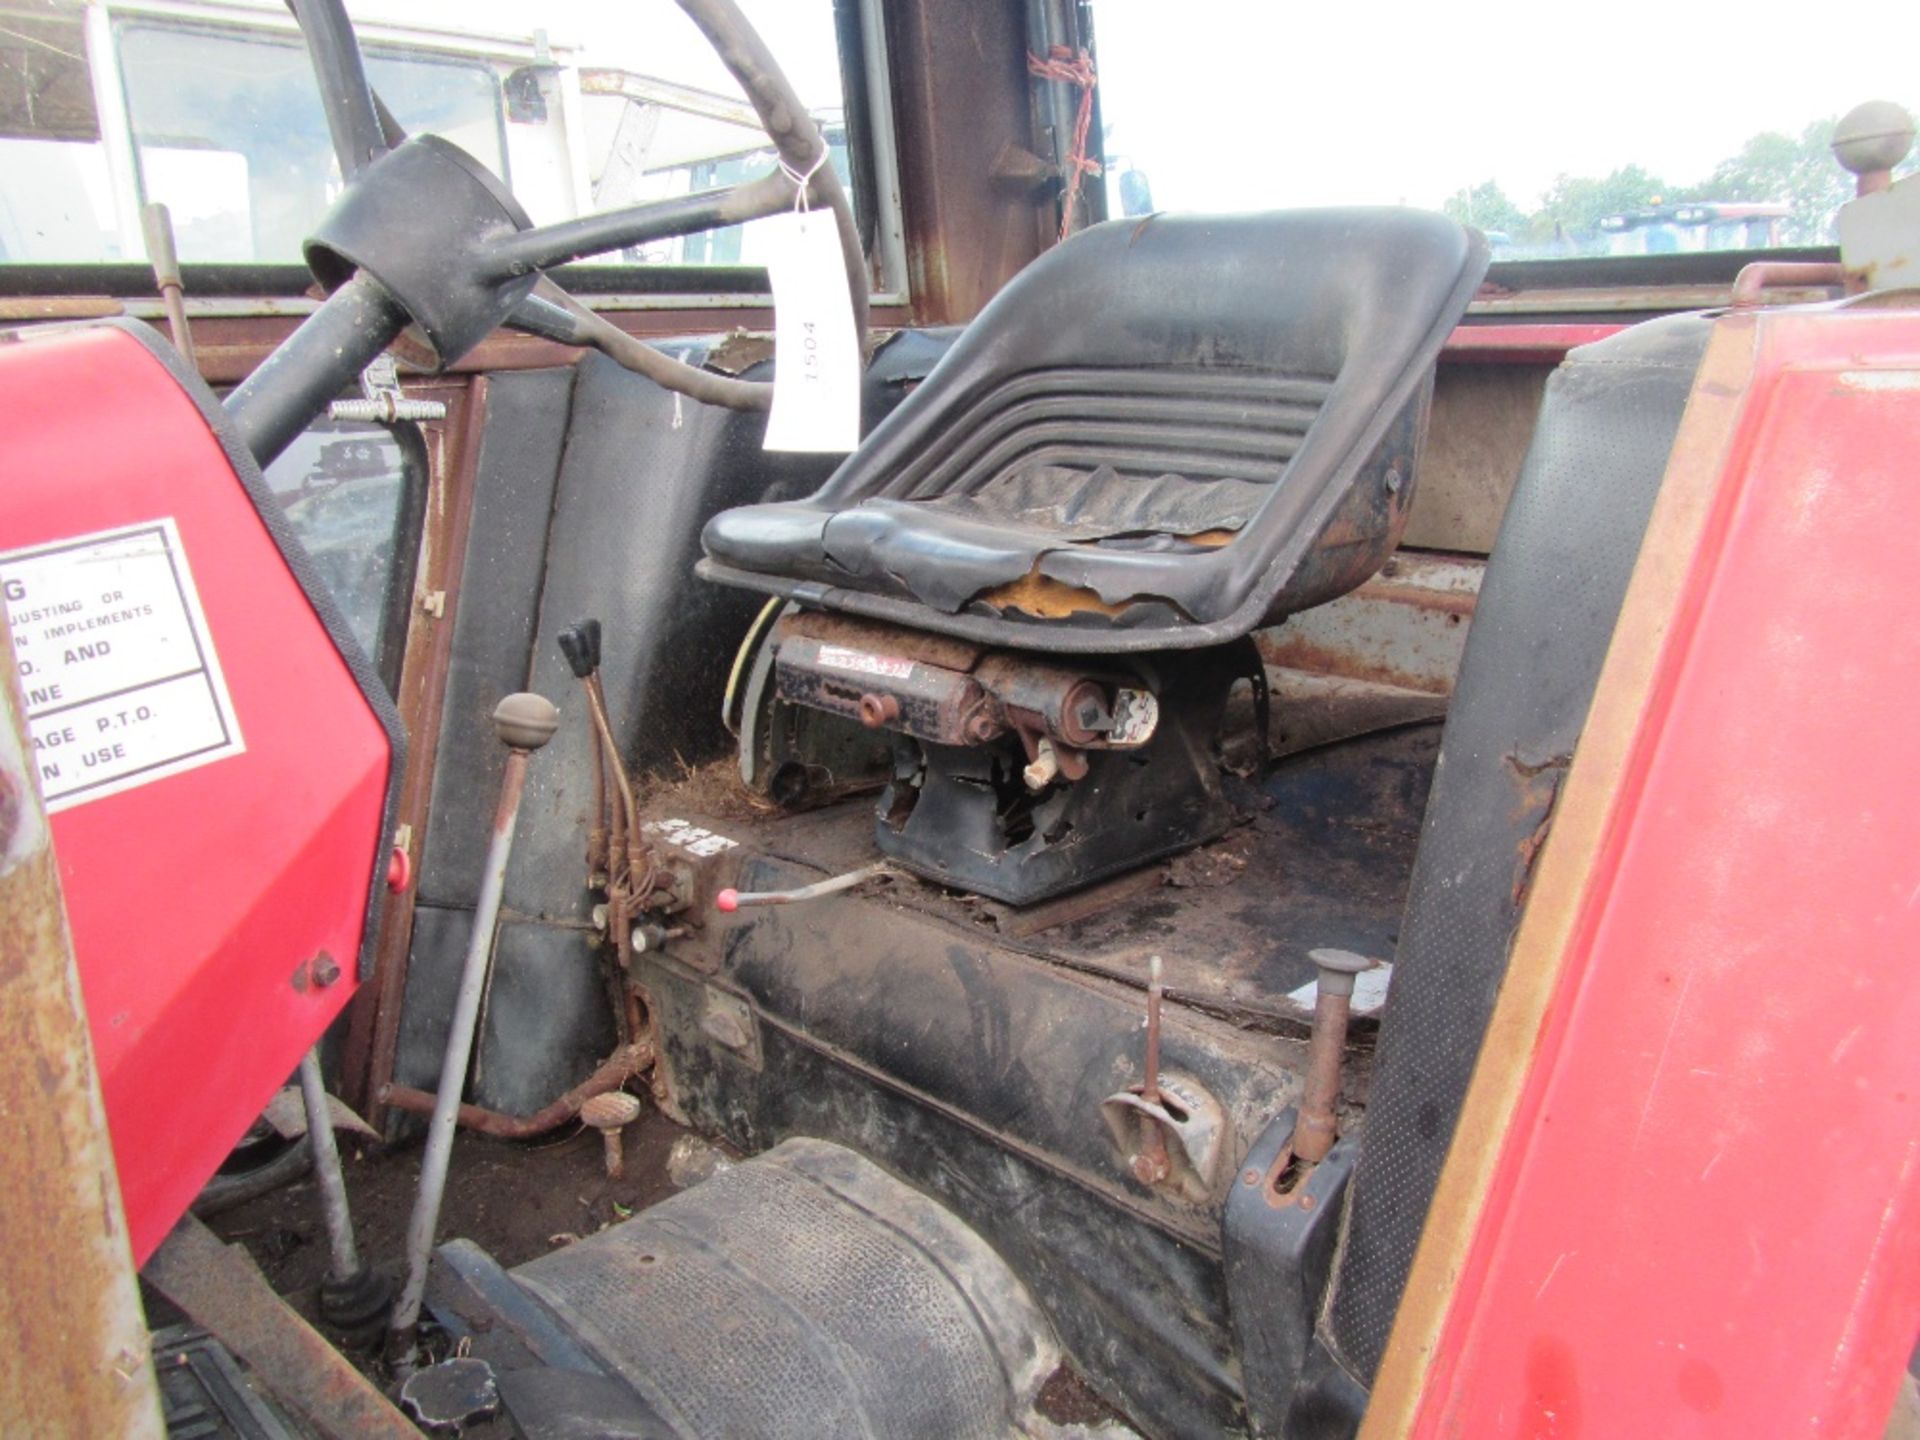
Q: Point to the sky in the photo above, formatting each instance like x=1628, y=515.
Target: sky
x=1236, y=104
x=1228, y=104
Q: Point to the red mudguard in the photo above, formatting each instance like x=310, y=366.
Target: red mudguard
x=1684, y=1198
x=217, y=761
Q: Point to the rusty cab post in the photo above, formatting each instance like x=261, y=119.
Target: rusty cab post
x=74, y=1354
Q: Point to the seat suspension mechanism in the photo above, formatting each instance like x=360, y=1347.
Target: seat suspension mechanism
x=1016, y=775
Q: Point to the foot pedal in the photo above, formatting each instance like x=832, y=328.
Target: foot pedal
x=204, y=1395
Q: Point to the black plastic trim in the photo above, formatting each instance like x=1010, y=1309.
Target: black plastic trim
x=1606, y=272
x=1614, y=272
x=204, y=282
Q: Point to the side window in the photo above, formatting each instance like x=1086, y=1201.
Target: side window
x=211, y=107
x=56, y=196
x=353, y=494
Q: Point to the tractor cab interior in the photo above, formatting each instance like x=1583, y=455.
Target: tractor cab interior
x=1059, y=859
x=1041, y=571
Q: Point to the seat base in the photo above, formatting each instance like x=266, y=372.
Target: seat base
x=961, y=815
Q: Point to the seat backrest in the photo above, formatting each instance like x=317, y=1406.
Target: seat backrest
x=1214, y=418
x=1546, y=614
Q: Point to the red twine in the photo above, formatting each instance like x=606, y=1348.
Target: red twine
x=1069, y=68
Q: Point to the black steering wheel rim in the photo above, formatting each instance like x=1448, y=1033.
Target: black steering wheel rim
x=368, y=141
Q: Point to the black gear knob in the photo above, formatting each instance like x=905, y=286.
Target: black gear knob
x=580, y=643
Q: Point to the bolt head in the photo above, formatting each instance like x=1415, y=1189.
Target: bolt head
x=878, y=711
x=1148, y=1169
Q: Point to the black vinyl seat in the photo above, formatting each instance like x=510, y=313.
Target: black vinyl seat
x=1159, y=435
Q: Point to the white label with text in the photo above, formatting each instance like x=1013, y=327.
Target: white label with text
x=694, y=839
x=839, y=657
x=816, y=374
x=116, y=663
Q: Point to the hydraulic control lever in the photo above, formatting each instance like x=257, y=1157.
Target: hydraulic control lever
x=1314, y=1130
x=619, y=859
x=1171, y=1132
x=580, y=645
x=617, y=851
x=730, y=900
x=1149, y=1163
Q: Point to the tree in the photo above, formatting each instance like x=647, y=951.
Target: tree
x=1801, y=172
x=1573, y=207
x=1486, y=206
x=1771, y=167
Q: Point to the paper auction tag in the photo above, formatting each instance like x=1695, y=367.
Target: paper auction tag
x=816, y=377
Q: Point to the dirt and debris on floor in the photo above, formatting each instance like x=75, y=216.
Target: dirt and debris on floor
x=515, y=1199
x=518, y=1200
x=1071, y=1408
x=714, y=790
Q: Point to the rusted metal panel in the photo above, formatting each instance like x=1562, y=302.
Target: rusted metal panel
x=1070, y=909
x=73, y=1346
x=220, y=1287
x=960, y=75
x=453, y=451
x=58, y=307
x=1405, y=628
x=1477, y=438
x=1637, y=301
x=1521, y=342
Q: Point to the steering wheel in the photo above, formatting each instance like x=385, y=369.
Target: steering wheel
x=424, y=240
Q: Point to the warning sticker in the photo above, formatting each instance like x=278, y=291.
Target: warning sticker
x=121, y=681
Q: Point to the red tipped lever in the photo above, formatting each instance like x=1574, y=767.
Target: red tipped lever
x=730, y=900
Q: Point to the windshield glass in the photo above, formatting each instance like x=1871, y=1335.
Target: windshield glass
x=229, y=135
x=210, y=106
x=1642, y=127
